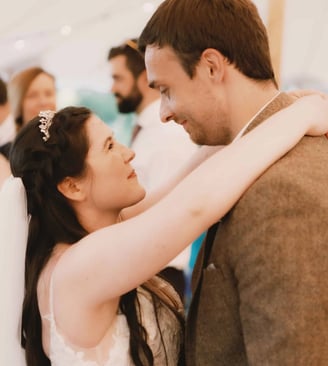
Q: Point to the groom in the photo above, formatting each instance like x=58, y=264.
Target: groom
x=259, y=285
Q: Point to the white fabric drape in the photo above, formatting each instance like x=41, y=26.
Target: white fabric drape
x=13, y=239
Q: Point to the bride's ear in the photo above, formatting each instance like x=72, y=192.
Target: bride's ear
x=71, y=189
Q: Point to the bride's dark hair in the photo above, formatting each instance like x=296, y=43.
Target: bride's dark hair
x=42, y=165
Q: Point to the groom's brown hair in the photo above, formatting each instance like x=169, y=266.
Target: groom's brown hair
x=233, y=27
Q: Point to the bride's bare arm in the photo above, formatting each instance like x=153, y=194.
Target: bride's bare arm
x=205, y=151
x=113, y=260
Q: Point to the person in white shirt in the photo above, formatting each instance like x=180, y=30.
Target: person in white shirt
x=7, y=124
x=160, y=149
x=7, y=131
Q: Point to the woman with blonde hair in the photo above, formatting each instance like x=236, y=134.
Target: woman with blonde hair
x=30, y=91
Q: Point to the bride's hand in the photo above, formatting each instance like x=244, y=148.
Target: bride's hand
x=314, y=107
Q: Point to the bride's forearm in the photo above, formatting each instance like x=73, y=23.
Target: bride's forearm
x=232, y=170
x=242, y=160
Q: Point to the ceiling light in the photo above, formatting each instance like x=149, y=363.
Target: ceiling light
x=66, y=30
x=148, y=7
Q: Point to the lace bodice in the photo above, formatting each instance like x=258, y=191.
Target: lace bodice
x=62, y=353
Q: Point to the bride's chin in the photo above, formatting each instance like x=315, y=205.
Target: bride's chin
x=142, y=193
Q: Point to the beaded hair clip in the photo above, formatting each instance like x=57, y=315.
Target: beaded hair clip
x=45, y=123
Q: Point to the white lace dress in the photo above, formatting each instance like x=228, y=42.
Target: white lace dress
x=63, y=353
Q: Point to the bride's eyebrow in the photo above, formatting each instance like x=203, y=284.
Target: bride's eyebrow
x=108, y=140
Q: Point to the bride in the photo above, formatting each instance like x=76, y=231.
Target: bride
x=95, y=243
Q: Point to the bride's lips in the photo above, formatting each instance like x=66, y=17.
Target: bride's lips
x=132, y=174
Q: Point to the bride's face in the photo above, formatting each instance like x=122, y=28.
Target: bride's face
x=111, y=182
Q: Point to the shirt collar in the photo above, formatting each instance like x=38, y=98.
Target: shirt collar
x=255, y=115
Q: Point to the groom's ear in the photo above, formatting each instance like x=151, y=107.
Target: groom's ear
x=215, y=63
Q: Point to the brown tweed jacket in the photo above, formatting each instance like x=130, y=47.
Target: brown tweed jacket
x=259, y=286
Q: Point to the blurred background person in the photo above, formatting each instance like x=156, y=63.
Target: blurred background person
x=7, y=130
x=29, y=91
x=7, y=125
x=160, y=149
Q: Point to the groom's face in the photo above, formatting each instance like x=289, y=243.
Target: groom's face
x=194, y=103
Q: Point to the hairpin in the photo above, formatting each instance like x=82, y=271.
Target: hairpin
x=45, y=123
x=132, y=44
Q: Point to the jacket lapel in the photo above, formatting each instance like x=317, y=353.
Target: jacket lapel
x=203, y=255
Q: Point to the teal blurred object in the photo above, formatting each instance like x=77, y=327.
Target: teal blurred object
x=195, y=247
x=122, y=127
x=104, y=106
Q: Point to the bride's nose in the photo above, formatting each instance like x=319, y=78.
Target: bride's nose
x=127, y=154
